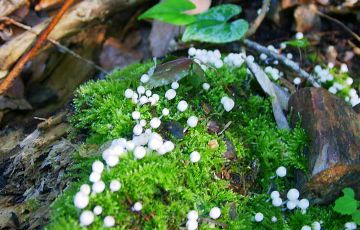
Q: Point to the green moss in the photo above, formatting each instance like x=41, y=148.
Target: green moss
x=169, y=186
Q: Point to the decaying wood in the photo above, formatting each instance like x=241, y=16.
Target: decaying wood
x=9, y=6
x=81, y=15
x=15, y=72
x=334, y=130
x=285, y=61
x=55, y=43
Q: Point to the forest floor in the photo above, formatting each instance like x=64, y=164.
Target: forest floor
x=36, y=141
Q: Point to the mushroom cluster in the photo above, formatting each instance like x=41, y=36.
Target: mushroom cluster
x=146, y=139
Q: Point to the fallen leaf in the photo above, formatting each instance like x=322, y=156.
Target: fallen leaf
x=268, y=88
x=175, y=70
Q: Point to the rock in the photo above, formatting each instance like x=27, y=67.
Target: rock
x=334, y=130
x=175, y=129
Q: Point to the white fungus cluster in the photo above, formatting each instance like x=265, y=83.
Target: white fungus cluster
x=141, y=95
x=228, y=103
x=137, y=207
x=145, y=139
x=234, y=60
x=291, y=203
x=323, y=76
x=192, y=220
x=274, y=73
x=206, y=57
x=215, y=213
x=350, y=226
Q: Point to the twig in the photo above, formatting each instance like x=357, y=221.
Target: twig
x=56, y=43
x=8, y=81
x=316, y=11
x=257, y=22
x=287, y=62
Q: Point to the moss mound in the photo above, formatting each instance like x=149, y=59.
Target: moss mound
x=170, y=186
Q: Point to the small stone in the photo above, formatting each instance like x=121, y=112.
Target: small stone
x=213, y=144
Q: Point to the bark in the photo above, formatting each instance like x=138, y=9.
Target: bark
x=334, y=131
x=77, y=18
x=9, y=6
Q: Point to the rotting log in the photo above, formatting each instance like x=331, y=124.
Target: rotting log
x=334, y=153
x=78, y=17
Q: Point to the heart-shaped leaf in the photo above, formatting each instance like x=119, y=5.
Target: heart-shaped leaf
x=346, y=204
x=213, y=26
x=220, y=13
x=171, y=11
x=215, y=32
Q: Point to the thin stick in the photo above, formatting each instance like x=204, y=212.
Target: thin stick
x=287, y=62
x=256, y=24
x=55, y=43
x=15, y=72
x=316, y=11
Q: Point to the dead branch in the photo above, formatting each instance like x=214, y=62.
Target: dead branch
x=55, y=43
x=256, y=24
x=9, y=6
x=78, y=17
x=287, y=62
x=7, y=83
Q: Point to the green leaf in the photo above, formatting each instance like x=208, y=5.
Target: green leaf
x=356, y=216
x=220, y=13
x=345, y=205
x=349, y=192
x=213, y=26
x=171, y=11
x=215, y=32
x=301, y=43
